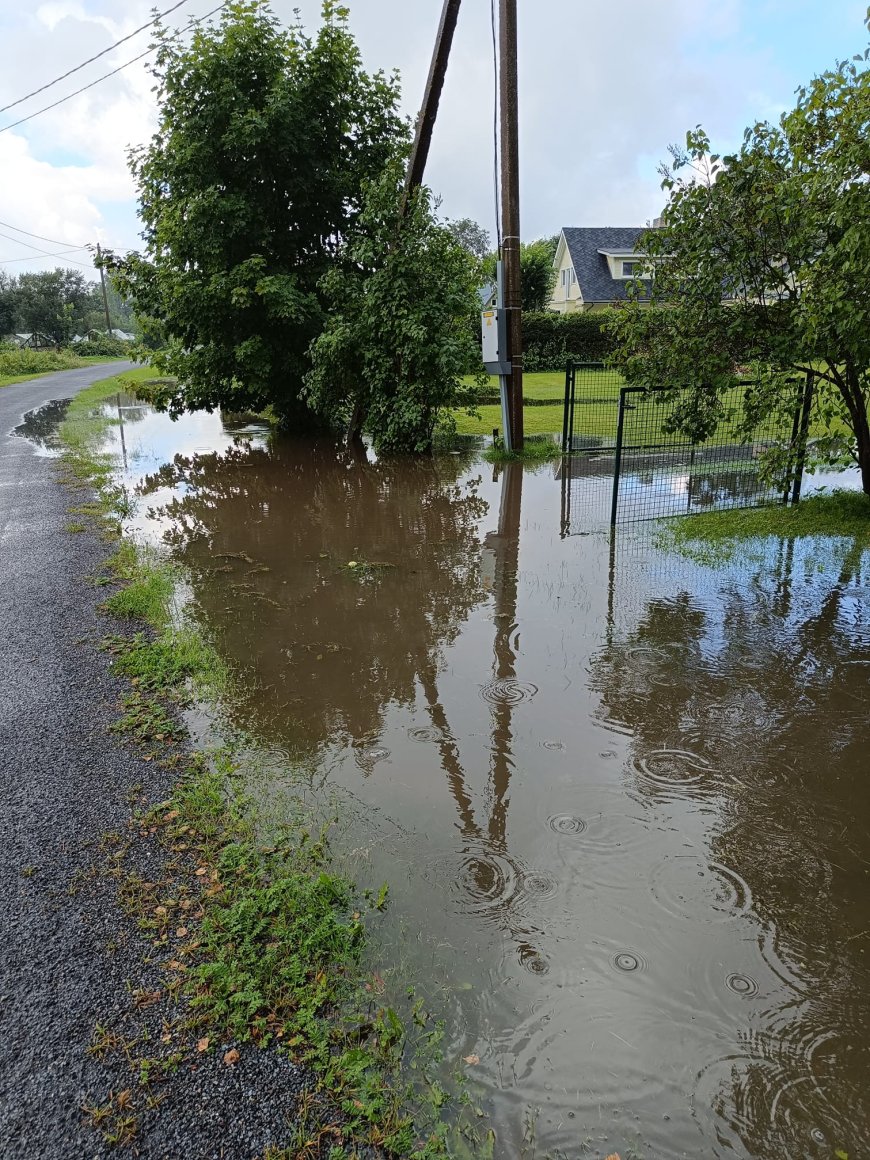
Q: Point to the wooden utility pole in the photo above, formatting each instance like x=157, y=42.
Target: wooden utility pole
x=105, y=294
x=510, y=215
x=431, y=97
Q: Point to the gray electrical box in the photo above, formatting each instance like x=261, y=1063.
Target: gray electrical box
x=494, y=342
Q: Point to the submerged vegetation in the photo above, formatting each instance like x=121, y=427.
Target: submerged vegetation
x=716, y=536
x=259, y=942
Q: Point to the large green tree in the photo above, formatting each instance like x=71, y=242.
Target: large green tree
x=266, y=139
x=52, y=302
x=763, y=259
x=400, y=336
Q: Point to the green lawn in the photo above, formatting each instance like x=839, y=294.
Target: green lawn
x=536, y=420
x=551, y=384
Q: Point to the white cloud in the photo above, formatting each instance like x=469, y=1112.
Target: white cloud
x=605, y=86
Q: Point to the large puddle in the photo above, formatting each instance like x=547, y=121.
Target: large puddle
x=622, y=801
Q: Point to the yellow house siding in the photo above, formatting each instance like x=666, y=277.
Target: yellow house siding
x=566, y=296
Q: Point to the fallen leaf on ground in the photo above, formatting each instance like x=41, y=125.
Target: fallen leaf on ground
x=231, y=1057
x=202, y=1044
x=201, y=871
x=612, y=1156
x=476, y=1059
x=181, y=932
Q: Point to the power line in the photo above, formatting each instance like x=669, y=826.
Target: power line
x=91, y=59
x=106, y=76
x=42, y=237
x=44, y=253
x=31, y=258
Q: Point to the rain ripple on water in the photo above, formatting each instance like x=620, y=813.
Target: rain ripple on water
x=508, y=691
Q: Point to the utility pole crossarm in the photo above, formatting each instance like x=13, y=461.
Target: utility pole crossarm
x=431, y=97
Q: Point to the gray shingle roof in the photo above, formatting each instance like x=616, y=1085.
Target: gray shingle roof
x=591, y=268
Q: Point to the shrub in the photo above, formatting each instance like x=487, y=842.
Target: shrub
x=15, y=361
x=103, y=345
x=550, y=339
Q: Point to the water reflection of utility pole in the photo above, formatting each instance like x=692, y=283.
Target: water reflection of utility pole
x=611, y=586
x=121, y=425
x=504, y=546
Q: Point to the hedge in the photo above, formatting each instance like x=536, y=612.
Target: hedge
x=550, y=339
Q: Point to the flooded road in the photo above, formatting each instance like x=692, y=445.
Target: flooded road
x=621, y=800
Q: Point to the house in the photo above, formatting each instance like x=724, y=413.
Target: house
x=487, y=295
x=34, y=341
x=593, y=266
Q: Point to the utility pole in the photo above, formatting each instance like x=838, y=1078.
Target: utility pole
x=431, y=97
x=510, y=217
x=105, y=295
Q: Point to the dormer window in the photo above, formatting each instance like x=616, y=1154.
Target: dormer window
x=629, y=269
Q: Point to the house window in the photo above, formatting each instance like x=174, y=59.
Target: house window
x=628, y=269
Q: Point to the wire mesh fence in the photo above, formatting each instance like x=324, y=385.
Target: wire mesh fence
x=591, y=414
x=638, y=438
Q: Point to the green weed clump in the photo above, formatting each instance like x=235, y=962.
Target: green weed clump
x=534, y=451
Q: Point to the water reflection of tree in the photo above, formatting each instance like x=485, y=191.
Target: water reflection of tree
x=771, y=688
x=332, y=646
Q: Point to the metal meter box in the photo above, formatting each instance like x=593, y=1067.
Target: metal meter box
x=494, y=342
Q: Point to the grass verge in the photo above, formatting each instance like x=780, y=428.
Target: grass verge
x=714, y=537
x=258, y=943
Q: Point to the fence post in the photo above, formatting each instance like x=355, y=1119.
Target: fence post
x=617, y=461
x=806, y=407
x=569, y=375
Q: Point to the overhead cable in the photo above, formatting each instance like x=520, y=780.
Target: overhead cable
x=106, y=76
x=35, y=258
x=44, y=253
x=42, y=237
x=91, y=59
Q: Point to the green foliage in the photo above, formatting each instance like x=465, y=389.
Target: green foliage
x=103, y=346
x=59, y=304
x=400, y=336
x=550, y=339
x=15, y=362
x=761, y=265
x=537, y=276
x=265, y=142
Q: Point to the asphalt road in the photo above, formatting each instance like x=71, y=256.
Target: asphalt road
x=65, y=781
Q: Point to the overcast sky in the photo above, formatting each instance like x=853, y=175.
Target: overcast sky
x=605, y=87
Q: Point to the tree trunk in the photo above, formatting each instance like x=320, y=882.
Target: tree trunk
x=862, y=428
x=354, y=425
x=864, y=457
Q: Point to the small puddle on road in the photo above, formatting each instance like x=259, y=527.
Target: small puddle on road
x=621, y=800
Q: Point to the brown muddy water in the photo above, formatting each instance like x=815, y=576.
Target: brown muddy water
x=621, y=799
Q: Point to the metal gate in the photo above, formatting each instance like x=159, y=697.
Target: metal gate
x=627, y=433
